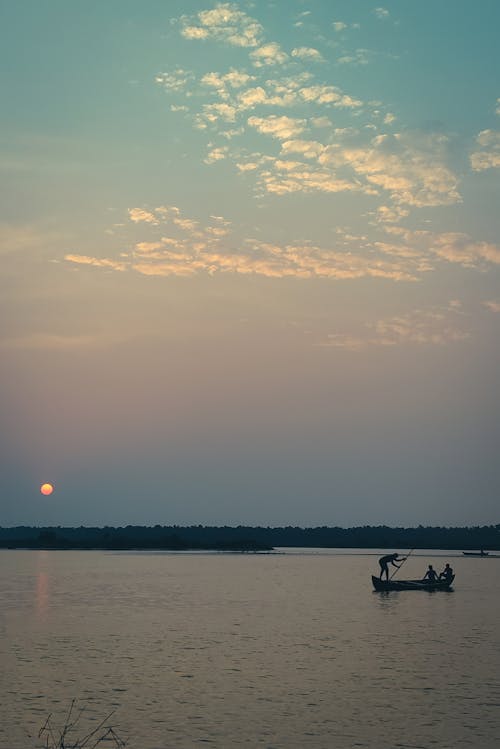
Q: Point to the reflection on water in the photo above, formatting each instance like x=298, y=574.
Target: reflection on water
x=284, y=651
x=42, y=583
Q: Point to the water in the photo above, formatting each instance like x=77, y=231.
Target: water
x=279, y=651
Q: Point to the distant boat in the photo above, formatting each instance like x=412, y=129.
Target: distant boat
x=380, y=585
x=478, y=554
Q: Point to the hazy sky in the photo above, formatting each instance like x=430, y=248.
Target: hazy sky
x=250, y=262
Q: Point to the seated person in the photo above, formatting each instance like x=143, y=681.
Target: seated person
x=446, y=574
x=431, y=575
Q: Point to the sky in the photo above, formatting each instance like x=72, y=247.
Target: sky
x=250, y=262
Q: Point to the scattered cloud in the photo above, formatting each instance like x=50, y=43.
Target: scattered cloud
x=164, y=242
x=391, y=214
x=348, y=151
x=216, y=154
x=489, y=155
x=459, y=248
x=433, y=326
x=307, y=53
x=225, y=23
x=278, y=127
x=96, y=262
x=493, y=305
x=358, y=57
x=339, y=26
x=223, y=82
x=176, y=81
x=410, y=167
x=268, y=54
x=139, y=215
x=181, y=246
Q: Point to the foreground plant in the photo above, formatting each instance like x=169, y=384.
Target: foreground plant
x=65, y=737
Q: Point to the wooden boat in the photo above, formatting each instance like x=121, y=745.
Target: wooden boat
x=478, y=554
x=380, y=585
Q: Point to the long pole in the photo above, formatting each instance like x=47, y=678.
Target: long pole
x=404, y=560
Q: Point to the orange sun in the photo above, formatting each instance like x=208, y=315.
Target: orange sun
x=46, y=489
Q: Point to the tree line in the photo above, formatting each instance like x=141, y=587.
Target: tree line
x=249, y=538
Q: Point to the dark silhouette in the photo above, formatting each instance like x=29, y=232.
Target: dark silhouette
x=431, y=575
x=446, y=574
x=385, y=561
x=470, y=539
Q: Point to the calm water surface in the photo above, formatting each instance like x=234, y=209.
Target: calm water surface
x=281, y=651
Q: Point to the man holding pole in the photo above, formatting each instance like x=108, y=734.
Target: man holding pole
x=389, y=559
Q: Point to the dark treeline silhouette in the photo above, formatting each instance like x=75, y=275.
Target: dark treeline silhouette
x=246, y=538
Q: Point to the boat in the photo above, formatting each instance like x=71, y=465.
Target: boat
x=381, y=585
x=478, y=554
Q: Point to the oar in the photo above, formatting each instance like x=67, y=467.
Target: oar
x=404, y=560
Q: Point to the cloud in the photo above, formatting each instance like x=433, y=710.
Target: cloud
x=278, y=127
x=225, y=23
x=324, y=94
x=459, y=248
x=223, y=82
x=358, y=57
x=310, y=149
x=295, y=176
x=108, y=264
x=216, y=154
x=220, y=111
x=173, y=244
x=493, y=305
x=176, y=81
x=249, y=166
x=433, y=326
x=381, y=13
x=489, y=156
x=391, y=214
x=268, y=54
x=176, y=245
x=307, y=53
x=410, y=167
x=340, y=26
x=452, y=247
x=138, y=215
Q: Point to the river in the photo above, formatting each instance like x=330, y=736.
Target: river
x=283, y=651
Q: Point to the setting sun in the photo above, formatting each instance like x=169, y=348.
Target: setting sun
x=46, y=489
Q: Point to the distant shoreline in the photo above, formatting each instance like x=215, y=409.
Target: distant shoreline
x=247, y=538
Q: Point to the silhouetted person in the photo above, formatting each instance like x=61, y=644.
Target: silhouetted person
x=431, y=575
x=385, y=561
x=446, y=574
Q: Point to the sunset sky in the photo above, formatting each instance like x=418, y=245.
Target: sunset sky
x=250, y=262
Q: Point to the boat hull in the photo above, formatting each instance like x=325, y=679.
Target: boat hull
x=478, y=554
x=382, y=585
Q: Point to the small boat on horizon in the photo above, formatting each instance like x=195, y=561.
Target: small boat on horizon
x=382, y=585
x=478, y=554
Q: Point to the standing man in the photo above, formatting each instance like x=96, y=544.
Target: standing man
x=389, y=559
